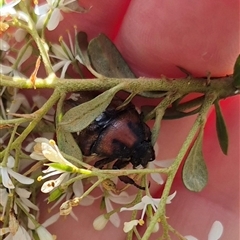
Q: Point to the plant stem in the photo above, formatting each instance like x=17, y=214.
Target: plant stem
x=41, y=44
x=223, y=86
x=160, y=213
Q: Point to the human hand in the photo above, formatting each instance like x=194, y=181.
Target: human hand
x=154, y=38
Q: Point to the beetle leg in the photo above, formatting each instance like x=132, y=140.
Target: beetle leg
x=121, y=164
x=102, y=162
x=129, y=180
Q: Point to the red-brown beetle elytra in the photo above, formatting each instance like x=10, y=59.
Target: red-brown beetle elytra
x=117, y=134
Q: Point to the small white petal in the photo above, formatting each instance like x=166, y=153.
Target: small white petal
x=100, y=222
x=18, y=100
x=170, y=197
x=108, y=204
x=157, y=178
x=189, y=237
x=37, y=156
x=59, y=65
x=29, y=204
x=43, y=9
x=48, y=186
x=156, y=228
x=73, y=215
x=87, y=201
x=115, y=220
x=23, y=192
x=54, y=20
x=6, y=181
x=148, y=200
x=163, y=163
x=41, y=140
x=41, y=21
x=20, y=177
x=65, y=67
x=44, y=234
x=29, y=147
x=216, y=231
x=10, y=162
x=8, y=9
x=51, y=220
x=128, y=226
x=138, y=206
x=26, y=55
x=122, y=198
x=21, y=16
x=58, y=52
x=5, y=69
x=21, y=234
x=4, y=46
x=50, y=153
x=78, y=188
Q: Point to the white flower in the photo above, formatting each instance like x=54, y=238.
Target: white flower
x=66, y=55
x=8, y=9
x=157, y=177
x=11, y=69
x=23, y=196
x=146, y=200
x=56, y=7
x=49, y=185
x=6, y=171
x=215, y=232
x=47, y=149
x=122, y=198
x=15, y=230
x=18, y=100
x=109, y=197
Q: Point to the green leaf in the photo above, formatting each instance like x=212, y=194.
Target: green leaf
x=68, y=145
x=221, y=129
x=106, y=59
x=236, y=73
x=195, y=174
x=79, y=117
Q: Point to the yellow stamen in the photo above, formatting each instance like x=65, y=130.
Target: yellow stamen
x=141, y=222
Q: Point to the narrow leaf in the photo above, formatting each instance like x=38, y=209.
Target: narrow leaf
x=236, y=73
x=68, y=145
x=195, y=175
x=106, y=59
x=221, y=129
x=79, y=117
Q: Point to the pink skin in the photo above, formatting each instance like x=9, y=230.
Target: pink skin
x=154, y=37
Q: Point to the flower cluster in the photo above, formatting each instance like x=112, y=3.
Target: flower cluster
x=145, y=202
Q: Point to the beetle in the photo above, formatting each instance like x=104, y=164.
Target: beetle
x=118, y=134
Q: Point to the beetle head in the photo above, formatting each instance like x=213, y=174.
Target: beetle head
x=143, y=153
